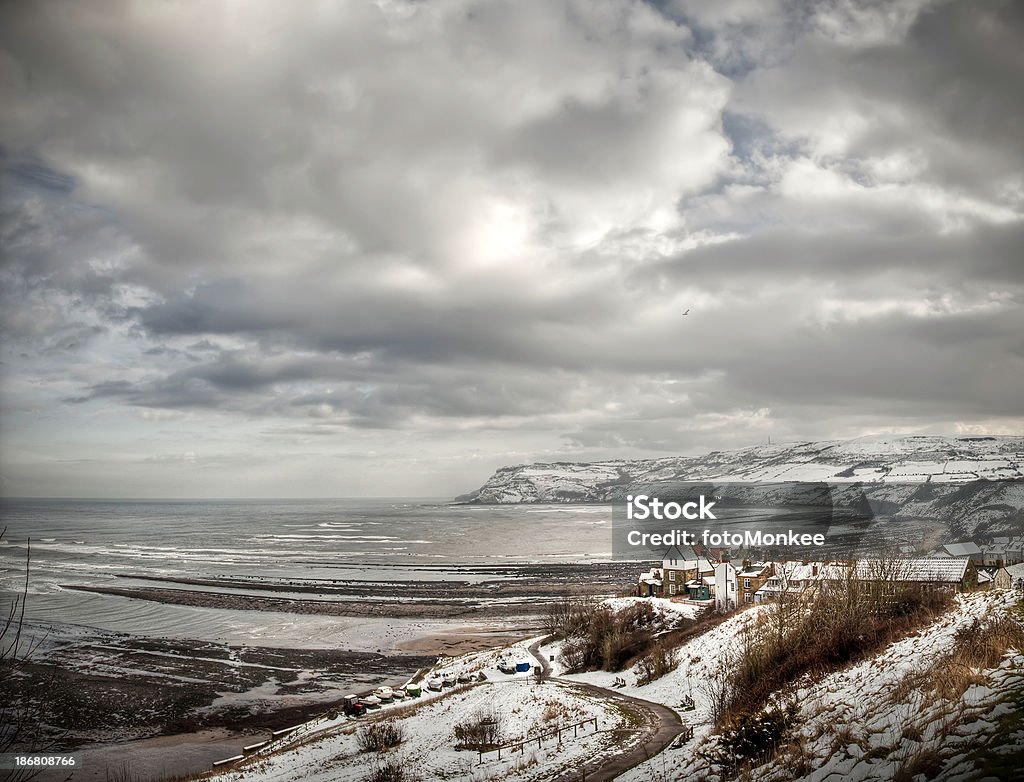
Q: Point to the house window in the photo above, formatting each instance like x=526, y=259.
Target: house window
x=672, y=576
x=748, y=598
x=671, y=589
x=746, y=583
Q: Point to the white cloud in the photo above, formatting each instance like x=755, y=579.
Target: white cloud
x=467, y=229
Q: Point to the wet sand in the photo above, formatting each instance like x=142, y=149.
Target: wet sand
x=151, y=702
x=118, y=688
x=462, y=640
x=512, y=590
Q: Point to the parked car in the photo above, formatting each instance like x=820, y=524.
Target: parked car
x=386, y=694
x=434, y=683
x=413, y=690
x=447, y=680
x=370, y=701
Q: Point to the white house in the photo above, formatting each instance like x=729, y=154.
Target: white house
x=725, y=586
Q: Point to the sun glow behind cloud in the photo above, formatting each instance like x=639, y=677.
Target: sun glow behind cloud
x=364, y=247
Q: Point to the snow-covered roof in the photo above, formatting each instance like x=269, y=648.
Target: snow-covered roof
x=962, y=549
x=947, y=570
x=753, y=571
x=651, y=577
x=1017, y=571
x=805, y=571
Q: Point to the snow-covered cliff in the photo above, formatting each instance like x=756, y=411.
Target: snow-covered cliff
x=971, y=483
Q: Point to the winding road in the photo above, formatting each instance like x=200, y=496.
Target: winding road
x=662, y=726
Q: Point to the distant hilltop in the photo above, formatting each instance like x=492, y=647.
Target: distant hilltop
x=994, y=463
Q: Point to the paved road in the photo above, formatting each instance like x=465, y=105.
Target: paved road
x=662, y=725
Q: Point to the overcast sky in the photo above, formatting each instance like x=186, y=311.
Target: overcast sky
x=382, y=248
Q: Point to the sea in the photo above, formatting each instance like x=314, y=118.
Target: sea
x=127, y=543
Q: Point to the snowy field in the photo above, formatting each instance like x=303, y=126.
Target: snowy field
x=523, y=707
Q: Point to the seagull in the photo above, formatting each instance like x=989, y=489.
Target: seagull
x=687, y=312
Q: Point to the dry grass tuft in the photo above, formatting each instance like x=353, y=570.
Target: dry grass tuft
x=926, y=761
x=977, y=647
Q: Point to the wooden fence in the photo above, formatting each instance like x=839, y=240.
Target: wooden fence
x=520, y=745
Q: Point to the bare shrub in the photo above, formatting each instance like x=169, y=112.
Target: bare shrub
x=660, y=660
x=397, y=770
x=756, y=737
x=569, y=616
x=837, y=620
x=480, y=731
x=22, y=719
x=611, y=639
x=717, y=688
x=573, y=654
x=379, y=736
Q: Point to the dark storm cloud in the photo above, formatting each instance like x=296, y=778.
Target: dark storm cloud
x=465, y=219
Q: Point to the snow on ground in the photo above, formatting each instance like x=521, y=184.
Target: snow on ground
x=700, y=660
x=523, y=707
x=668, y=610
x=884, y=458
x=862, y=722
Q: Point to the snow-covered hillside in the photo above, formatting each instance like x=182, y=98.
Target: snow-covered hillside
x=873, y=720
x=971, y=484
x=880, y=719
x=868, y=459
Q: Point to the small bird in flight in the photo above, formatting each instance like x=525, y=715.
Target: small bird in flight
x=687, y=312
